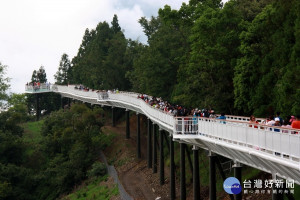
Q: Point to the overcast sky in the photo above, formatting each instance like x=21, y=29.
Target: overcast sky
x=38, y=32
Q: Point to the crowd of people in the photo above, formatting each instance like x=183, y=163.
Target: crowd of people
x=290, y=122
x=176, y=110
x=81, y=87
x=181, y=111
x=37, y=85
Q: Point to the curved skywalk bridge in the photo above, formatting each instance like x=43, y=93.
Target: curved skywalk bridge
x=271, y=149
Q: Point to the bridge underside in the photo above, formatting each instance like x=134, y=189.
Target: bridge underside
x=278, y=165
x=250, y=157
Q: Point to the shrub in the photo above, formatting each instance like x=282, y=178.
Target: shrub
x=98, y=169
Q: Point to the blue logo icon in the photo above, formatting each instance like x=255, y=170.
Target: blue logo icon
x=232, y=186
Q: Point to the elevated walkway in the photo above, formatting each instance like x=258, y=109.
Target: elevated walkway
x=271, y=149
x=42, y=88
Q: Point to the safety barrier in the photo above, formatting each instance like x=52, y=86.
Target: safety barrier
x=43, y=87
x=269, y=148
x=261, y=137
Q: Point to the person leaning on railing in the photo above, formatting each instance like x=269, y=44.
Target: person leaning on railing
x=253, y=121
x=296, y=123
x=222, y=117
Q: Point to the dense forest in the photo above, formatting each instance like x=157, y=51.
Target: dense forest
x=60, y=155
x=241, y=57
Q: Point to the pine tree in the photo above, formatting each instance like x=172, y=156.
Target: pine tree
x=63, y=75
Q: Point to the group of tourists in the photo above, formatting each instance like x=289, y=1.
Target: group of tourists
x=290, y=122
x=181, y=111
x=37, y=85
x=81, y=87
x=177, y=110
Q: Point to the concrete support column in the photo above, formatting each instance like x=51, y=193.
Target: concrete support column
x=113, y=117
x=196, y=177
x=237, y=167
x=212, y=176
x=275, y=196
x=161, y=158
x=69, y=103
x=37, y=98
x=182, y=172
x=62, y=102
x=154, y=169
x=138, y=136
x=127, y=125
x=149, y=147
x=172, y=170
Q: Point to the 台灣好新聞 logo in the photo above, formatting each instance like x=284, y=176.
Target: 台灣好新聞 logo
x=232, y=186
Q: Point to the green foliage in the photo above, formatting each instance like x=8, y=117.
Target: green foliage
x=98, y=169
x=100, y=62
x=205, y=54
x=94, y=189
x=47, y=101
x=54, y=155
x=64, y=74
x=39, y=75
x=4, y=82
x=265, y=76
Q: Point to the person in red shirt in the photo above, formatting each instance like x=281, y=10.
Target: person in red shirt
x=296, y=124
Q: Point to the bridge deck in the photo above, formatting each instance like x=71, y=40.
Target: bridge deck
x=272, y=149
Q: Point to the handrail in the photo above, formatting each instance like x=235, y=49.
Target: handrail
x=272, y=139
x=234, y=137
x=35, y=88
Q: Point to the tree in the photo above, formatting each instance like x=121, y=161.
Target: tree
x=4, y=82
x=115, y=24
x=18, y=106
x=63, y=75
x=99, y=63
x=266, y=78
x=47, y=101
x=39, y=75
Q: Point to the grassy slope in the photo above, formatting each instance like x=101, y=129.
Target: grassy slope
x=94, y=189
x=32, y=135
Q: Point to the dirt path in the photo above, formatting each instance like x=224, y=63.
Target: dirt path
x=139, y=181
x=135, y=184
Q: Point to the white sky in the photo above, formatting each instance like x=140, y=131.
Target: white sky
x=38, y=32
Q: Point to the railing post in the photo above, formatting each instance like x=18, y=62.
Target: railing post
x=196, y=178
x=172, y=170
x=154, y=149
x=212, y=176
x=238, y=174
x=161, y=158
x=182, y=172
x=183, y=128
x=127, y=124
x=149, y=147
x=138, y=136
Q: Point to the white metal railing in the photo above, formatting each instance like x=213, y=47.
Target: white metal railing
x=258, y=136
x=90, y=94
x=242, y=118
x=38, y=88
x=238, y=131
x=165, y=119
x=159, y=116
x=103, y=95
